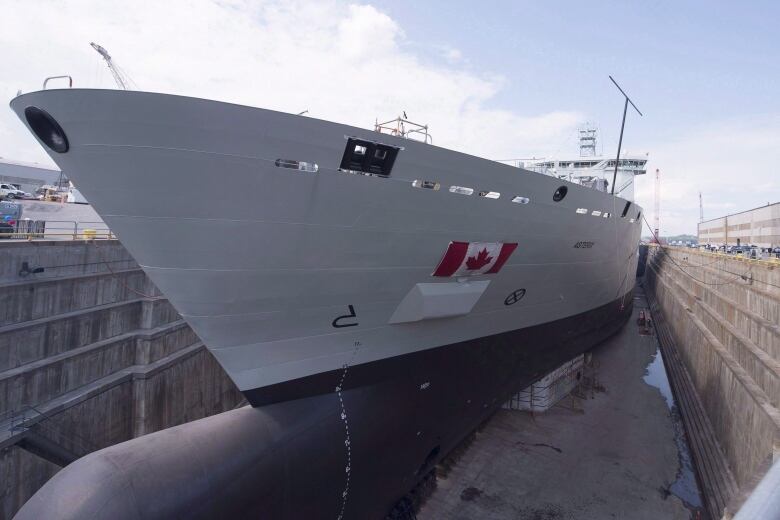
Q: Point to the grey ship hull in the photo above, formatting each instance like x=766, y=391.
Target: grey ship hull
x=264, y=261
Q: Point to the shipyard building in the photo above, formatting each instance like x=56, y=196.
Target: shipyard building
x=759, y=226
x=29, y=176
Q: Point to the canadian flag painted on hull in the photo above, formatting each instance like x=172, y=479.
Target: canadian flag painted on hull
x=473, y=258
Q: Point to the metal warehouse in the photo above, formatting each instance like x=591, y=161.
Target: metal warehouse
x=758, y=226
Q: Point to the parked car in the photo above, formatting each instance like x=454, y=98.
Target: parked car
x=10, y=213
x=10, y=192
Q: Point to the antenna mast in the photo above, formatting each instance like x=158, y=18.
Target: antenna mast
x=622, y=126
x=121, y=79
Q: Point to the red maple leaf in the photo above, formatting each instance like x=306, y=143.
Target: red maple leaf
x=478, y=262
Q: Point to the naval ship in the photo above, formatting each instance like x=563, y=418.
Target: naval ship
x=396, y=290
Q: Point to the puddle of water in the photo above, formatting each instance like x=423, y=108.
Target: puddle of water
x=685, y=486
x=656, y=376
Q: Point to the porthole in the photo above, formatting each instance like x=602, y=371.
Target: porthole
x=560, y=193
x=582, y=211
x=461, y=190
x=430, y=185
x=596, y=213
x=489, y=194
x=297, y=165
x=521, y=200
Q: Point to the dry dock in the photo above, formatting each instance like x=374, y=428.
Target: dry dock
x=616, y=450
x=719, y=315
x=91, y=354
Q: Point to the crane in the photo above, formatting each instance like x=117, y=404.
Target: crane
x=701, y=209
x=120, y=77
x=657, y=207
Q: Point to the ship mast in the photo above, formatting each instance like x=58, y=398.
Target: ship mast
x=588, y=141
x=622, y=127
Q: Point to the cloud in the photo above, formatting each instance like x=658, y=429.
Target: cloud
x=734, y=163
x=451, y=55
x=352, y=63
x=343, y=62
x=366, y=32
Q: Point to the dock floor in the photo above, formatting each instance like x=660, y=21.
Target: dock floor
x=615, y=452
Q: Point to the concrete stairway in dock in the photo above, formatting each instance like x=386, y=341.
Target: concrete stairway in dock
x=91, y=354
x=721, y=318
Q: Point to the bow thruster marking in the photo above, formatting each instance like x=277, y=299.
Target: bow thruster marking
x=514, y=297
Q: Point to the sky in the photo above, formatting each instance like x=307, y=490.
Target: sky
x=496, y=79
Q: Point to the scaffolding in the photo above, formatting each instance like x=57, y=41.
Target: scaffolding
x=547, y=391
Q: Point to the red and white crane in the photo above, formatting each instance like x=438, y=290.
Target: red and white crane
x=657, y=208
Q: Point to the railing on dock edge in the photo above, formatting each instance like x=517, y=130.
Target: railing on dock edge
x=58, y=230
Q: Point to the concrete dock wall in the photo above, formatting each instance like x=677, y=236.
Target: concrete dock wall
x=62, y=258
x=91, y=354
x=723, y=315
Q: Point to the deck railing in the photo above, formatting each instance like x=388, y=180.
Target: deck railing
x=27, y=229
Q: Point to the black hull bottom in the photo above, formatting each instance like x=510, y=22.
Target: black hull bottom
x=307, y=451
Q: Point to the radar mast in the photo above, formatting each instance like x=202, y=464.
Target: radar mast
x=588, y=141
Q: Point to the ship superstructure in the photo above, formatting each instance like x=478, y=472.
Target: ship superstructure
x=589, y=168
